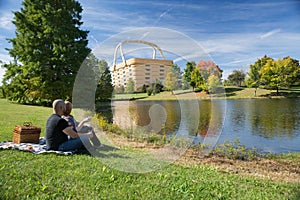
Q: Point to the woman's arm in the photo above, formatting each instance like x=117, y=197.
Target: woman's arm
x=70, y=132
x=80, y=125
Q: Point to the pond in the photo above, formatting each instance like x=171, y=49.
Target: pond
x=270, y=125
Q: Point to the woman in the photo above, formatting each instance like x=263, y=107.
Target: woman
x=80, y=128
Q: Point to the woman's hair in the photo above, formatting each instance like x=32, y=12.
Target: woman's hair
x=69, y=107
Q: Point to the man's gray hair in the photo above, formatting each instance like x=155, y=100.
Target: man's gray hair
x=57, y=104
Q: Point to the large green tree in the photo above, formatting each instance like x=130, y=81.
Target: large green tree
x=48, y=50
x=197, y=80
x=254, y=74
x=280, y=73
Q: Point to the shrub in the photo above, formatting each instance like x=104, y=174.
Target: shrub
x=235, y=150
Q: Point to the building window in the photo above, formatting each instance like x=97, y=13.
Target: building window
x=147, y=74
x=161, y=70
x=162, y=66
x=147, y=69
x=147, y=78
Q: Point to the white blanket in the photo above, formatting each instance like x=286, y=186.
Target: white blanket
x=31, y=147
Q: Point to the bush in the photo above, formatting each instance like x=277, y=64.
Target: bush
x=234, y=150
x=149, y=91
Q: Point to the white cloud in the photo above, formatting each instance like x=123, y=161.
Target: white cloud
x=5, y=21
x=270, y=33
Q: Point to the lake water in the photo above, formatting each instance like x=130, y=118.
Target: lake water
x=270, y=125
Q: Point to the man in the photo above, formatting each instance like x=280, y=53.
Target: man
x=58, y=130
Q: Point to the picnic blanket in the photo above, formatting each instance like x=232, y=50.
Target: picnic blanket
x=39, y=148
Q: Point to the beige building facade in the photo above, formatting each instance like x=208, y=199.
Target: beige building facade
x=143, y=71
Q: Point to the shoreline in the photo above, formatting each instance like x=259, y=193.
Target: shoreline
x=230, y=93
x=277, y=167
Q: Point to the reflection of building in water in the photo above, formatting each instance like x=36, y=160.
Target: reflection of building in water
x=143, y=71
x=121, y=114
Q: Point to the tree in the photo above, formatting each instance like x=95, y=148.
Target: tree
x=190, y=66
x=280, y=73
x=254, y=74
x=208, y=67
x=197, y=80
x=48, y=50
x=237, y=77
x=104, y=87
x=157, y=87
x=119, y=89
x=173, y=77
x=292, y=70
x=129, y=89
x=213, y=83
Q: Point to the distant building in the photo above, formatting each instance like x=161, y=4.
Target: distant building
x=143, y=71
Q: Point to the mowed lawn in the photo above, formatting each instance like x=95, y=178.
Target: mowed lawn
x=24, y=175
x=228, y=92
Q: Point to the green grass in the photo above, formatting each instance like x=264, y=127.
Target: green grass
x=15, y=114
x=24, y=175
x=230, y=92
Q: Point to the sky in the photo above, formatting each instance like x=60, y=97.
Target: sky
x=232, y=33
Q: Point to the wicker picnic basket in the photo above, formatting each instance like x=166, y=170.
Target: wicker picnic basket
x=26, y=133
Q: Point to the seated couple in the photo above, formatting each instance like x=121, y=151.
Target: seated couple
x=62, y=134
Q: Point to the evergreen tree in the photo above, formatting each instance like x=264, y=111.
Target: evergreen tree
x=190, y=66
x=104, y=87
x=48, y=50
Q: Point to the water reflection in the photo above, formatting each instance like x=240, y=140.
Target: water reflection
x=184, y=118
x=274, y=118
x=256, y=122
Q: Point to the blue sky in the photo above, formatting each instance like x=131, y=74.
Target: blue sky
x=233, y=33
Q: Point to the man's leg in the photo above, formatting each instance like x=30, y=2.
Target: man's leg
x=75, y=144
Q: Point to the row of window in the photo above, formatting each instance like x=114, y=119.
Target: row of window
x=147, y=69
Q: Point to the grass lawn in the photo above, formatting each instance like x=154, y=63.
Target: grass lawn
x=24, y=175
x=226, y=93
